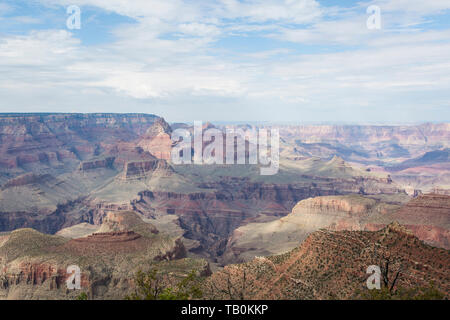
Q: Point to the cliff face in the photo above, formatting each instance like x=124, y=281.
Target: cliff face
x=418, y=151
x=157, y=141
x=415, y=155
x=61, y=170
x=348, y=205
x=50, y=163
x=209, y=215
x=25, y=179
x=33, y=265
x=108, y=162
x=142, y=169
x=344, y=212
x=428, y=159
x=426, y=209
x=51, y=138
x=333, y=264
x=427, y=217
x=34, y=275
x=212, y=217
x=345, y=134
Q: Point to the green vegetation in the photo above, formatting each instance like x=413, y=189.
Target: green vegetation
x=419, y=293
x=28, y=242
x=82, y=296
x=155, y=285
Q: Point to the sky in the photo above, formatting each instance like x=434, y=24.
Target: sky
x=229, y=60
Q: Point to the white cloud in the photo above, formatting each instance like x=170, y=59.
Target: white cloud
x=417, y=6
x=199, y=29
x=168, y=57
x=39, y=48
x=293, y=11
x=296, y=11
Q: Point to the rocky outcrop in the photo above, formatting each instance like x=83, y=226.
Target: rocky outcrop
x=78, y=230
x=347, y=212
x=49, y=221
x=106, y=163
x=209, y=204
x=49, y=276
x=49, y=139
x=212, y=217
x=333, y=264
x=34, y=265
x=428, y=216
x=142, y=169
x=25, y=179
x=351, y=205
x=158, y=127
x=110, y=237
x=177, y=252
x=433, y=235
x=349, y=134
x=157, y=140
x=425, y=209
x=116, y=222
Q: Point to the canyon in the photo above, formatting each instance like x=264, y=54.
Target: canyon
x=76, y=178
x=427, y=217
x=332, y=265
x=33, y=265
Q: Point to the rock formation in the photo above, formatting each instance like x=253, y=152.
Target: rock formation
x=25, y=179
x=348, y=212
x=67, y=171
x=51, y=138
x=333, y=264
x=427, y=216
x=95, y=164
x=33, y=265
x=157, y=140
x=142, y=169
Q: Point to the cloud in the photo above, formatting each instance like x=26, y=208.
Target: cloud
x=288, y=11
x=317, y=58
x=39, y=48
x=297, y=11
x=199, y=29
x=412, y=6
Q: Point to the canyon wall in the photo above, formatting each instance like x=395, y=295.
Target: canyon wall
x=427, y=217
x=47, y=138
x=34, y=265
x=332, y=265
x=345, y=134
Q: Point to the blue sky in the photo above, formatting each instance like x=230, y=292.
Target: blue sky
x=229, y=60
